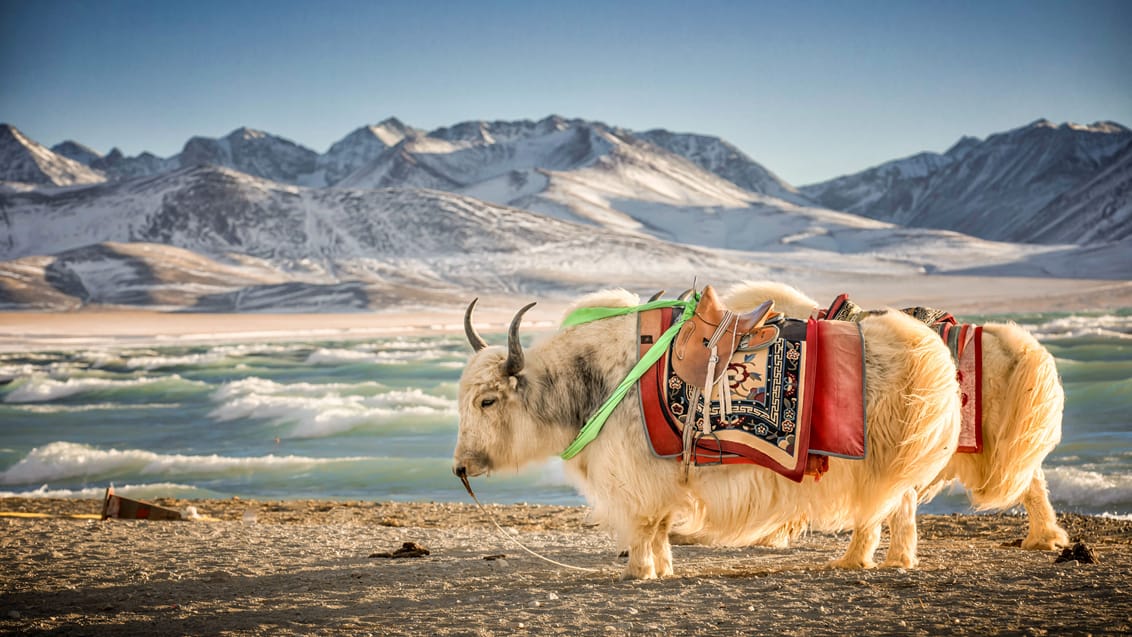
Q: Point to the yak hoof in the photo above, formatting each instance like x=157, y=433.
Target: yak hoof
x=631, y=574
x=905, y=562
x=1046, y=542
x=851, y=563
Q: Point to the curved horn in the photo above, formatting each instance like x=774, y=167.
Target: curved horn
x=687, y=294
x=656, y=297
x=473, y=337
x=514, y=347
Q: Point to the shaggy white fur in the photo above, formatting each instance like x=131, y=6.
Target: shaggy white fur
x=1022, y=409
x=913, y=427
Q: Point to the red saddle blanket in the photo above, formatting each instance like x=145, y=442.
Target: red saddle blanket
x=792, y=403
x=966, y=344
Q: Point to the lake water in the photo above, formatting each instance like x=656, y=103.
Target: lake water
x=376, y=420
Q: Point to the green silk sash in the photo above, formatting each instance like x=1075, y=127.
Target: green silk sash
x=586, y=314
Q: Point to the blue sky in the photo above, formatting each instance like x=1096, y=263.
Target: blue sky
x=811, y=90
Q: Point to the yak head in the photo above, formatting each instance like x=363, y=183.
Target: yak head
x=496, y=429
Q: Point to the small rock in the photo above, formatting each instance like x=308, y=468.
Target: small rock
x=552, y=596
x=408, y=549
x=14, y=614
x=1080, y=552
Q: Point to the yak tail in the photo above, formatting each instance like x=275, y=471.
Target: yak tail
x=1030, y=425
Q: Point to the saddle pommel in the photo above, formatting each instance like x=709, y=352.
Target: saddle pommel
x=712, y=324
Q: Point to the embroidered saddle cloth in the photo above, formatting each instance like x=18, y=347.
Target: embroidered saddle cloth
x=791, y=401
x=966, y=344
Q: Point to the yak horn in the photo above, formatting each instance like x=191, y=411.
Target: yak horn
x=473, y=337
x=687, y=294
x=514, y=347
x=656, y=297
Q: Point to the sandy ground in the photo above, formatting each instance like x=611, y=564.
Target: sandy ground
x=305, y=568
x=22, y=331
x=116, y=327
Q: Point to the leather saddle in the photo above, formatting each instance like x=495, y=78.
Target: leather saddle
x=712, y=324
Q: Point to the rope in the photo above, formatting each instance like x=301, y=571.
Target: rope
x=504, y=533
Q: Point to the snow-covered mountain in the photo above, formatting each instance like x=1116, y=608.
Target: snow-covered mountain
x=1097, y=211
x=252, y=152
x=76, y=151
x=25, y=161
x=218, y=239
x=255, y=153
x=215, y=238
x=579, y=171
x=471, y=153
x=219, y=211
x=117, y=166
x=997, y=188
x=719, y=157
x=359, y=148
x=890, y=185
x=549, y=206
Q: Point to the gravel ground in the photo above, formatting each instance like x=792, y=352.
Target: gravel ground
x=308, y=567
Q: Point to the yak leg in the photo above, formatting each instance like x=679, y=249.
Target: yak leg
x=662, y=549
x=650, y=554
x=1045, y=534
x=862, y=545
x=902, y=534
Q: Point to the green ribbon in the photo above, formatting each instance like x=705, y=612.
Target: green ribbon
x=586, y=314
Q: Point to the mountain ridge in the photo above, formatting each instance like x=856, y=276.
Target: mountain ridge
x=995, y=188
x=543, y=206
x=25, y=161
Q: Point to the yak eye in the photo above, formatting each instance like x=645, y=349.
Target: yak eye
x=487, y=402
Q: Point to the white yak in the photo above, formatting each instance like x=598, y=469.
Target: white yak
x=517, y=407
x=1022, y=409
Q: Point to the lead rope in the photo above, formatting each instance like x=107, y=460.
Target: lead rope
x=468, y=486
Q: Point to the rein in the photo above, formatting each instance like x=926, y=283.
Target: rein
x=467, y=485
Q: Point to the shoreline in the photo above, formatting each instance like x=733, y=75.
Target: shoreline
x=139, y=327
x=31, y=331
x=309, y=567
